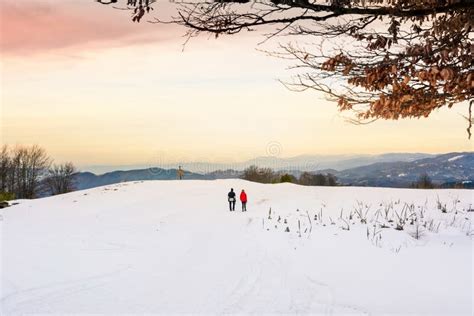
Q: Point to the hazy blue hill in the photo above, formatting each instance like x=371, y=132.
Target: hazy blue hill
x=452, y=167
x=366, y=160
x=86, y=180
x=298, y=163
x=337, y=162
x=384, y=172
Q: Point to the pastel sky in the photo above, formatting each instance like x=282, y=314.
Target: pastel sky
x=90, y=86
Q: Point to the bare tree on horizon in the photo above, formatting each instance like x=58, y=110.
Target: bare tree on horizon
x=60, y=178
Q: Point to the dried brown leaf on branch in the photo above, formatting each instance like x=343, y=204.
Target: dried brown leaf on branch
x=380, y=59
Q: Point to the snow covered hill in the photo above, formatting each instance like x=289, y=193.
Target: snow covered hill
x=442, y=169
x=168, y=247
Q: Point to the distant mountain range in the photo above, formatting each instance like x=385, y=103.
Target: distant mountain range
x=452, y=167
x=87, y=180
x=298, y=163
x=387, y=170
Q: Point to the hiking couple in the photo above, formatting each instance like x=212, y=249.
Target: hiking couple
x=243, y=199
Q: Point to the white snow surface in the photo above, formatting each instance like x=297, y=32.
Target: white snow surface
x=172, y=247
x=455, y=158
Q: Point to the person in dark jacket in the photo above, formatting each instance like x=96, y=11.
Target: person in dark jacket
x=231, y=199
x=243, y=199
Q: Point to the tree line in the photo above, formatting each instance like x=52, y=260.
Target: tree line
x=424, y=181
x=27, y=172
x=268, y=175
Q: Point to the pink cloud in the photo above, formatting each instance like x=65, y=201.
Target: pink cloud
x=29, y=27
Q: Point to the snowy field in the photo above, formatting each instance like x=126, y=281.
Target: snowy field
x=172, y=247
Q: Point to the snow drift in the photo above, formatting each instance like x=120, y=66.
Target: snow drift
x=169, y=247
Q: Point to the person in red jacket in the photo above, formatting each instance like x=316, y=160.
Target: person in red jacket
x=243, y=199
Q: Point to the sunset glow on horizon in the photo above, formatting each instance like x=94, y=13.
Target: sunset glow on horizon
x=84, y=82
